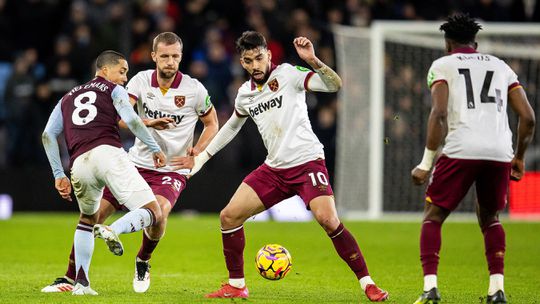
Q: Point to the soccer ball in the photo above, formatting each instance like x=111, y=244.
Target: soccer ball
x=273, y=262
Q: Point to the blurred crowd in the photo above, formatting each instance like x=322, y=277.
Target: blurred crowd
x=48, y=46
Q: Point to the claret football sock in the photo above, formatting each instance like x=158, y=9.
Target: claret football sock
x=495, y=245
x=233, y=248
x=147, y=247
x=430, y=245
x=132, y=221
x=347, y=248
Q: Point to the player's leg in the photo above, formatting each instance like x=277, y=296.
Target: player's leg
x=88, y=191
x=167, y=187
x=451, y=179
x=65, y=283
x=151, y=237
x=131, y=191
x=324, y=211
x=244, y=203
x=492, y=190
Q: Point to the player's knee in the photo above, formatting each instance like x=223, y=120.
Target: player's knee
x=328, y=222
x=229, y=218
x=90, y=219
x=157, y=214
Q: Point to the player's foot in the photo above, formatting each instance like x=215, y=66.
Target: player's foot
x=141, y=281
x=429, y=297
x=111, y=239
x=59, y=285
x=375, y=294
x=228, y=291
x=497, y=297
x=81, y=290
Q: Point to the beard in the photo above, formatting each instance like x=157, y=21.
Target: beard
x=262, y=80
x=167, y=74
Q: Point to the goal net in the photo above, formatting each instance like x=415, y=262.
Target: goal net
x=385, y=103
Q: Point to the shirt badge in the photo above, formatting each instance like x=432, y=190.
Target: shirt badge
x=273, y=85
x=179, y=101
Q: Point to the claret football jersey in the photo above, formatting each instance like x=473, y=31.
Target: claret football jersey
x=185, y=101
x=478, y=86
x=279, y=110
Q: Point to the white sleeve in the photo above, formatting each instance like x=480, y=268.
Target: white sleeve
x=134, y=87
x=512, y=78
x=316, y=84
x=300, y=77
x=226, y=133
x=203, y=102
x=436, y=73
x=223, y=137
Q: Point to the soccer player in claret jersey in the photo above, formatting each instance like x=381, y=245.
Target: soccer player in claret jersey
x=171, y=103
x=88, y=115
x=275, y=99
x=470, y=92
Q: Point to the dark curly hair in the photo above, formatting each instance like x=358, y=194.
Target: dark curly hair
x=460, y=28
x=250, y=40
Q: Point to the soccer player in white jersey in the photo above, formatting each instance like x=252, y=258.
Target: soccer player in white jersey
x=275, y=99
x=171, y=103
x=470, y=92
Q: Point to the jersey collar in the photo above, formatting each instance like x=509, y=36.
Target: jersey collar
x=175, y=83
x=272, y=68
x=464, y=50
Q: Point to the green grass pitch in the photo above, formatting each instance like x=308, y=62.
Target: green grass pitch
x=189, y=262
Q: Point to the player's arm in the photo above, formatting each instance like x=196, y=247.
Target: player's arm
x=136, y=125
x=325, y=79
x=211, y=127
x=223, y=137
x=517, y=99
x=49, y=137
x=157, y=123
x=437, y=129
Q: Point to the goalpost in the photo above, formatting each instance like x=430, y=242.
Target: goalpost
x=385, y=103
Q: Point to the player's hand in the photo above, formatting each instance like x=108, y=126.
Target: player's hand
x=162, y=123
x=304, y=48
x=159, y=159
x=63, y=185
x=518, y=169
x=193, y=151
x=419, y=176
x=183, y=162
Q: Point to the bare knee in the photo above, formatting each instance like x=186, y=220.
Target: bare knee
x=435, y=213
x=230, y=219
x=156, y=212
x=89, y=219
x=328, y=222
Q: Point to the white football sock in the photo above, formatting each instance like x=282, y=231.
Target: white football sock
x=83, y=243
x=238, y=283
x=132, y=221
x=430, y=282
x=496, y=283
x=365, y=281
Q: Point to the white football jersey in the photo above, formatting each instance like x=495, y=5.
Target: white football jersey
x=279, y=110
x=185, y=101
x=478, y=86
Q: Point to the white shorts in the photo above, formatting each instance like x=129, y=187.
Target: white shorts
x=108, y=166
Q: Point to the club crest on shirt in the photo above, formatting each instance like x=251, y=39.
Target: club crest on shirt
x=273, y=85
x=179, y=101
